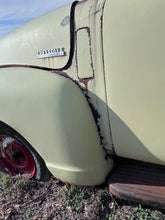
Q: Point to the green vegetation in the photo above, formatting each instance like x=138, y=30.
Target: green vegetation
x=75, y=197
x=9, y=183
x=32, y=199
x=133, y=213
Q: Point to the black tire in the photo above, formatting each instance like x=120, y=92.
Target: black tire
x=41, y=172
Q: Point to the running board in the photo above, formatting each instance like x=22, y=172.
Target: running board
x=139, y=182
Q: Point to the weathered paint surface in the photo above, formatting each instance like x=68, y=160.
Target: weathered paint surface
x=84, y=61
x=88, y=18
x=51, y=113
x=86, y=70
x=122, y=54
x=139, y=182
x=49, y=31
x=134, y=52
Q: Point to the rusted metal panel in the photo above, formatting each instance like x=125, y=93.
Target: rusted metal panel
x=140, y=182
x=88, y=16
x=54, y=112
x=84, y=54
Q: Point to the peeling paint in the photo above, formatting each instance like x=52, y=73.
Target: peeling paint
x=85, y=82
x=53, y=62
x=61, y=73
x=97, y=121
x=90, y=76
x=49, y=62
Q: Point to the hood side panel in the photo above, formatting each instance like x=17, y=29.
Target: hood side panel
x=49, y=31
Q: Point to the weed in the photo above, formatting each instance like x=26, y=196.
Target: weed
x=143, y=213
x=21, y=182
x=137, y=212
x=6, y=180
x=28, y=214
x=75, y=197
x=10, y=184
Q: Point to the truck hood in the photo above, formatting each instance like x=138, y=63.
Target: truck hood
x=42, y=42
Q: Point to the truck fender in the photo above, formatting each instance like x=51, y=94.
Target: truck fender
x=52, y=114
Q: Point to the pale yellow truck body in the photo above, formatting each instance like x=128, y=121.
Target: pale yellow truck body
x=103, y=97
x=135, y=80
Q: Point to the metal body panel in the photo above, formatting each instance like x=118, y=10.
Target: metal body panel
x=134, y=52
x=84, y=58
x=40, y=35
x=140, y=182
x=88, y=16
x=52, y=114
x=119, y=66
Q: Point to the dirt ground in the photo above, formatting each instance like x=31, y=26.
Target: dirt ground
x=21, y=198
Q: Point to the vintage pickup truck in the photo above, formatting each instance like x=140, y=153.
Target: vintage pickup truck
x=82, y=88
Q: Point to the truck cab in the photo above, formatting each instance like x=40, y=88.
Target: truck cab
x=82, y=91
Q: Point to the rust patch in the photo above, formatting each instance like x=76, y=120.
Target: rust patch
x=90, y=49
x=61, y=73
x=53, y=62
x=37, y=67
x=90, y=46
x=139, y=181
x=96, y=117
x=85, y=82
x=49, y=62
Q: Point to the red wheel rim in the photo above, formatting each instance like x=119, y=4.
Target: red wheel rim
x=15, y=158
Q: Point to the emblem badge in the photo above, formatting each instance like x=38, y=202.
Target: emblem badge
x=55, y=52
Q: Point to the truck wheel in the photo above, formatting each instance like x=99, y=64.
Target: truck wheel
x=18, y=157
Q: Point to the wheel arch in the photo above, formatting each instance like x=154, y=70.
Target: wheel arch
x=53, y=115
x=41, y=171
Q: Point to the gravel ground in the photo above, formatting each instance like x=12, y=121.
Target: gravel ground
x=21, y=198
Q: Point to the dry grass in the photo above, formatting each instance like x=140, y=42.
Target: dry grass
x=21, y=198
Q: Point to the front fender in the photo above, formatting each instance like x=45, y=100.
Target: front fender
x=52, y=114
